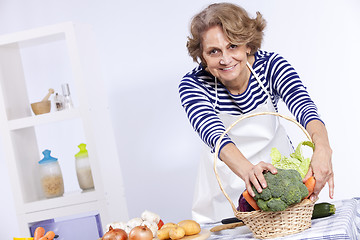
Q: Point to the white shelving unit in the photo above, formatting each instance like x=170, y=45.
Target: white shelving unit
x=20, y=135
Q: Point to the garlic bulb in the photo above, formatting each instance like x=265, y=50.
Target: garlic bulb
x=134, y=222
x=150, y=217
x=118, y=225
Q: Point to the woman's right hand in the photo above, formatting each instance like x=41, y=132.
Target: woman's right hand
x=254, y=176
x=249, y=173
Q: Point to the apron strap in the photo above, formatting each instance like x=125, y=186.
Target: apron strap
x=216, y=94
x=258, y=80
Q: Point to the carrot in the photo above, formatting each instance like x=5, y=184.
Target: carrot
x=250, y=200
x=39, y=232
x=48, y=236
x=310, y=184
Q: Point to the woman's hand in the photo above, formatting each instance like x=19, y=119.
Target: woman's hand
x=249, y=173
x=321, y=162
x=254, y=176
x=321, y=169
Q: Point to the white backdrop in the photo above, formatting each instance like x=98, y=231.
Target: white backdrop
x=143, y=57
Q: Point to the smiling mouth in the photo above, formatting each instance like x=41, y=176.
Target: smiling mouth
x=228, y=68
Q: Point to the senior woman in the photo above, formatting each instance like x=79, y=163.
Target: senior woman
x=234, y=77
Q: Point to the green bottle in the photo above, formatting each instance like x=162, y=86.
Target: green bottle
x=83, y=168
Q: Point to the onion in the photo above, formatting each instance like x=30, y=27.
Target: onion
x=141, y=233
x=115, y=234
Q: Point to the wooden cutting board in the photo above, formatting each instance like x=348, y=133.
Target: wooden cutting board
x=204, y=234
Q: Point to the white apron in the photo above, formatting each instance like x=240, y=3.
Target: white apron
x=254, y=137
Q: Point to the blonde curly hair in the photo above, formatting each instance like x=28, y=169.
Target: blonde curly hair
x=237, y=26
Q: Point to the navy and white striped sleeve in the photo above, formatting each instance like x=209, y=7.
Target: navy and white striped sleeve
x=287, y=84
x=201, y=113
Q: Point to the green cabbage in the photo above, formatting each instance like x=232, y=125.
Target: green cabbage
x=296, y=160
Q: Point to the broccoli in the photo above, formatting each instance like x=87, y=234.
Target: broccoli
x=283, y=189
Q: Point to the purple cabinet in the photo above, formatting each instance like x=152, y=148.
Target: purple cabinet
x=88, y=228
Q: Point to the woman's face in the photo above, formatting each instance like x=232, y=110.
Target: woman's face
x=224, y=60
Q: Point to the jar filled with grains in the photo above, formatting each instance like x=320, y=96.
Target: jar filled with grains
x=51, y=176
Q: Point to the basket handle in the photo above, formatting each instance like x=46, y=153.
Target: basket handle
x=217, y=146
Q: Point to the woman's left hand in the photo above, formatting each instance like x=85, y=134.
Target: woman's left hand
x=321, y=169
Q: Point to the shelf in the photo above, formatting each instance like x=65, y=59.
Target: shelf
x=44, y=119
x=68, y=199
x=93, y=207
x=39, y=35
x=31, y=61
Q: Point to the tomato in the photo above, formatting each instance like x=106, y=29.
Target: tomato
x=160, y=224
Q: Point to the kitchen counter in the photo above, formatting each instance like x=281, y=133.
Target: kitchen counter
x=344, y=224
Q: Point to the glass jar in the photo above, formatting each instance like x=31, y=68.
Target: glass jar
x=59, y=102
x=67, y=101
x=50, y=175
x=83, y=168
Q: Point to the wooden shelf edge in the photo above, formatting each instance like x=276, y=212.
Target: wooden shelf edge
x=65, y=211
x=46, y=118
x=36, y=33
x=67, y=200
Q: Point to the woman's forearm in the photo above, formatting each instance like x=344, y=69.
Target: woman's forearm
x=235, y=160
x=321, y=162
x=318, y=133
x=251, y=174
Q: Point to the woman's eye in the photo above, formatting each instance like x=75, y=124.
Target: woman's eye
x=232, y=46
x=213, y=51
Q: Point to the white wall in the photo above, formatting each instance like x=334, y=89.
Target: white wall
x=143, y=56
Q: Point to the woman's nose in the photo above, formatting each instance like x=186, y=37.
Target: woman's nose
x=225, y=59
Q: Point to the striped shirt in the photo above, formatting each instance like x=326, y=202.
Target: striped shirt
x=202, y=104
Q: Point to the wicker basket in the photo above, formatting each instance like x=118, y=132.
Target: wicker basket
x=271, y=224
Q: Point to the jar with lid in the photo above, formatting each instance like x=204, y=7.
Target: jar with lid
x=83, y=169
x=50, y=175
